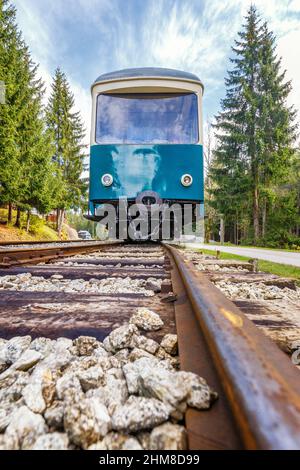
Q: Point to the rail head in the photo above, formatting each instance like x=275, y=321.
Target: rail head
x=32, y=254
x=261, y=383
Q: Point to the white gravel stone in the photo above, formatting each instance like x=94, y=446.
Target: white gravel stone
x=28, y=359
x=33, y=398
x=100, y=352
x=11, y=386
x=132, y=371
x=170, y=344
x=200, y=395
x=112, y=285
x=93, y=395
x=67, y=383
x=146, y=319
x=42, y=345
x=257, y=291
x=86, y=422
x=139, y=413
x=54, y=362
x=122, y=356
x=86, y=345
x=24, y=428
x=4, y=419
x=117, y=441
x=61, y=344
x=112, y=395
x=166, y=386
x=91, y=378
x=137, y=353
x=163, y=355
x=53, y=441
x=148, y=344
x=3, y=366
x=168, y=436
x=12, y=349
x=120, y=338
x=54, y=415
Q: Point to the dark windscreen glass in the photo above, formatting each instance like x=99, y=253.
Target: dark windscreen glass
x=147, y=119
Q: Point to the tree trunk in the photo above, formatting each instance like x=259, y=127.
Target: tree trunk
x=255, y=213
x=9, y=215
x=222, y=231
x=57, y=217
x=264, y=218
x=28, y=221
x=60, y=221
x=237, y=231
x=18, y=220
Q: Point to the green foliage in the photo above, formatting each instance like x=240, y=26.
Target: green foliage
x=41, y=151
x=77, y=221
x=39, y=228
x=255, y=134
x=11, y=50
x=68, y=131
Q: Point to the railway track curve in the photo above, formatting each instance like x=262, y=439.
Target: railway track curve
x=91, y=289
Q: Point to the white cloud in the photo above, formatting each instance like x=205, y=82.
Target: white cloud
x=290, y=60
x=38, y=33
x=194, y=35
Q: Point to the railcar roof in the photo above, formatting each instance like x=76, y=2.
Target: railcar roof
x=148, y=72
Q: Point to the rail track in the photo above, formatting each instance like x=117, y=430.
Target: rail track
x=90, y=289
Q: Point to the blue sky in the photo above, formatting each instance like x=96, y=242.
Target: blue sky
x=89, y=37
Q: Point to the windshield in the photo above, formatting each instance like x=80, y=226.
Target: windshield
x=147, y=119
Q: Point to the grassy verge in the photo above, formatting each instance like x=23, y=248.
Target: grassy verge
x=254, y=247
x=39, y=229
x=282, y=270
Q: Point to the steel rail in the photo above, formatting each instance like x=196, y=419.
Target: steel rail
x=261, y=384
x=43, y=242
x=17, y=256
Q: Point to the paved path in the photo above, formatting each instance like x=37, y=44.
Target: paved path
x=276, y=256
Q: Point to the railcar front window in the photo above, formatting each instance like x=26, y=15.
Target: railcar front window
x=147, y=119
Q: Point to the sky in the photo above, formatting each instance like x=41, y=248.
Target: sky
x=89, y=37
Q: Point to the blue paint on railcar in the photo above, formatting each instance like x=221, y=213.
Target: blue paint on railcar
x=138, y=168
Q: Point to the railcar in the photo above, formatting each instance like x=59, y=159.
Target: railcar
x=146, y=139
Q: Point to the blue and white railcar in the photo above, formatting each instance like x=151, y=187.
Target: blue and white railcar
x=146, y=138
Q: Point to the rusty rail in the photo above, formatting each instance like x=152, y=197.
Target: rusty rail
x=18, y=256
x=261, y=384
x=42, y=242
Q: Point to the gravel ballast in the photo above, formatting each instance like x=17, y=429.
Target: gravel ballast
x=83, y=394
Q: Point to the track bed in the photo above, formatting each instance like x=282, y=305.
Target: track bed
x=78, y=297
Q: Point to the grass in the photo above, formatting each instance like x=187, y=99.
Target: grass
x=282, y=270
x=255, y=247
x=39, y=229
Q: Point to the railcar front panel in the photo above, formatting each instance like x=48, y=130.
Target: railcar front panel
x=137, y=168
x=146, y=140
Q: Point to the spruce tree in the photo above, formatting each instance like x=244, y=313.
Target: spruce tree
x=255, y=129
x=36, y=167
x=11, y=53
x=68, y=131
x=276, y=129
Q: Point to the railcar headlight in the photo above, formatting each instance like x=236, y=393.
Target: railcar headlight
x=186, y=180
x=107, y=180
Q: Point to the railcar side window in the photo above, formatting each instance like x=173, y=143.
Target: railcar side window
x=147, y=119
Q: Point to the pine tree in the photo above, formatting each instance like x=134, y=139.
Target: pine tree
x=27, y=170
x=68, y=131
x=11, y=53
x=255, y=129
x=36, y=167
x=276, y=129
